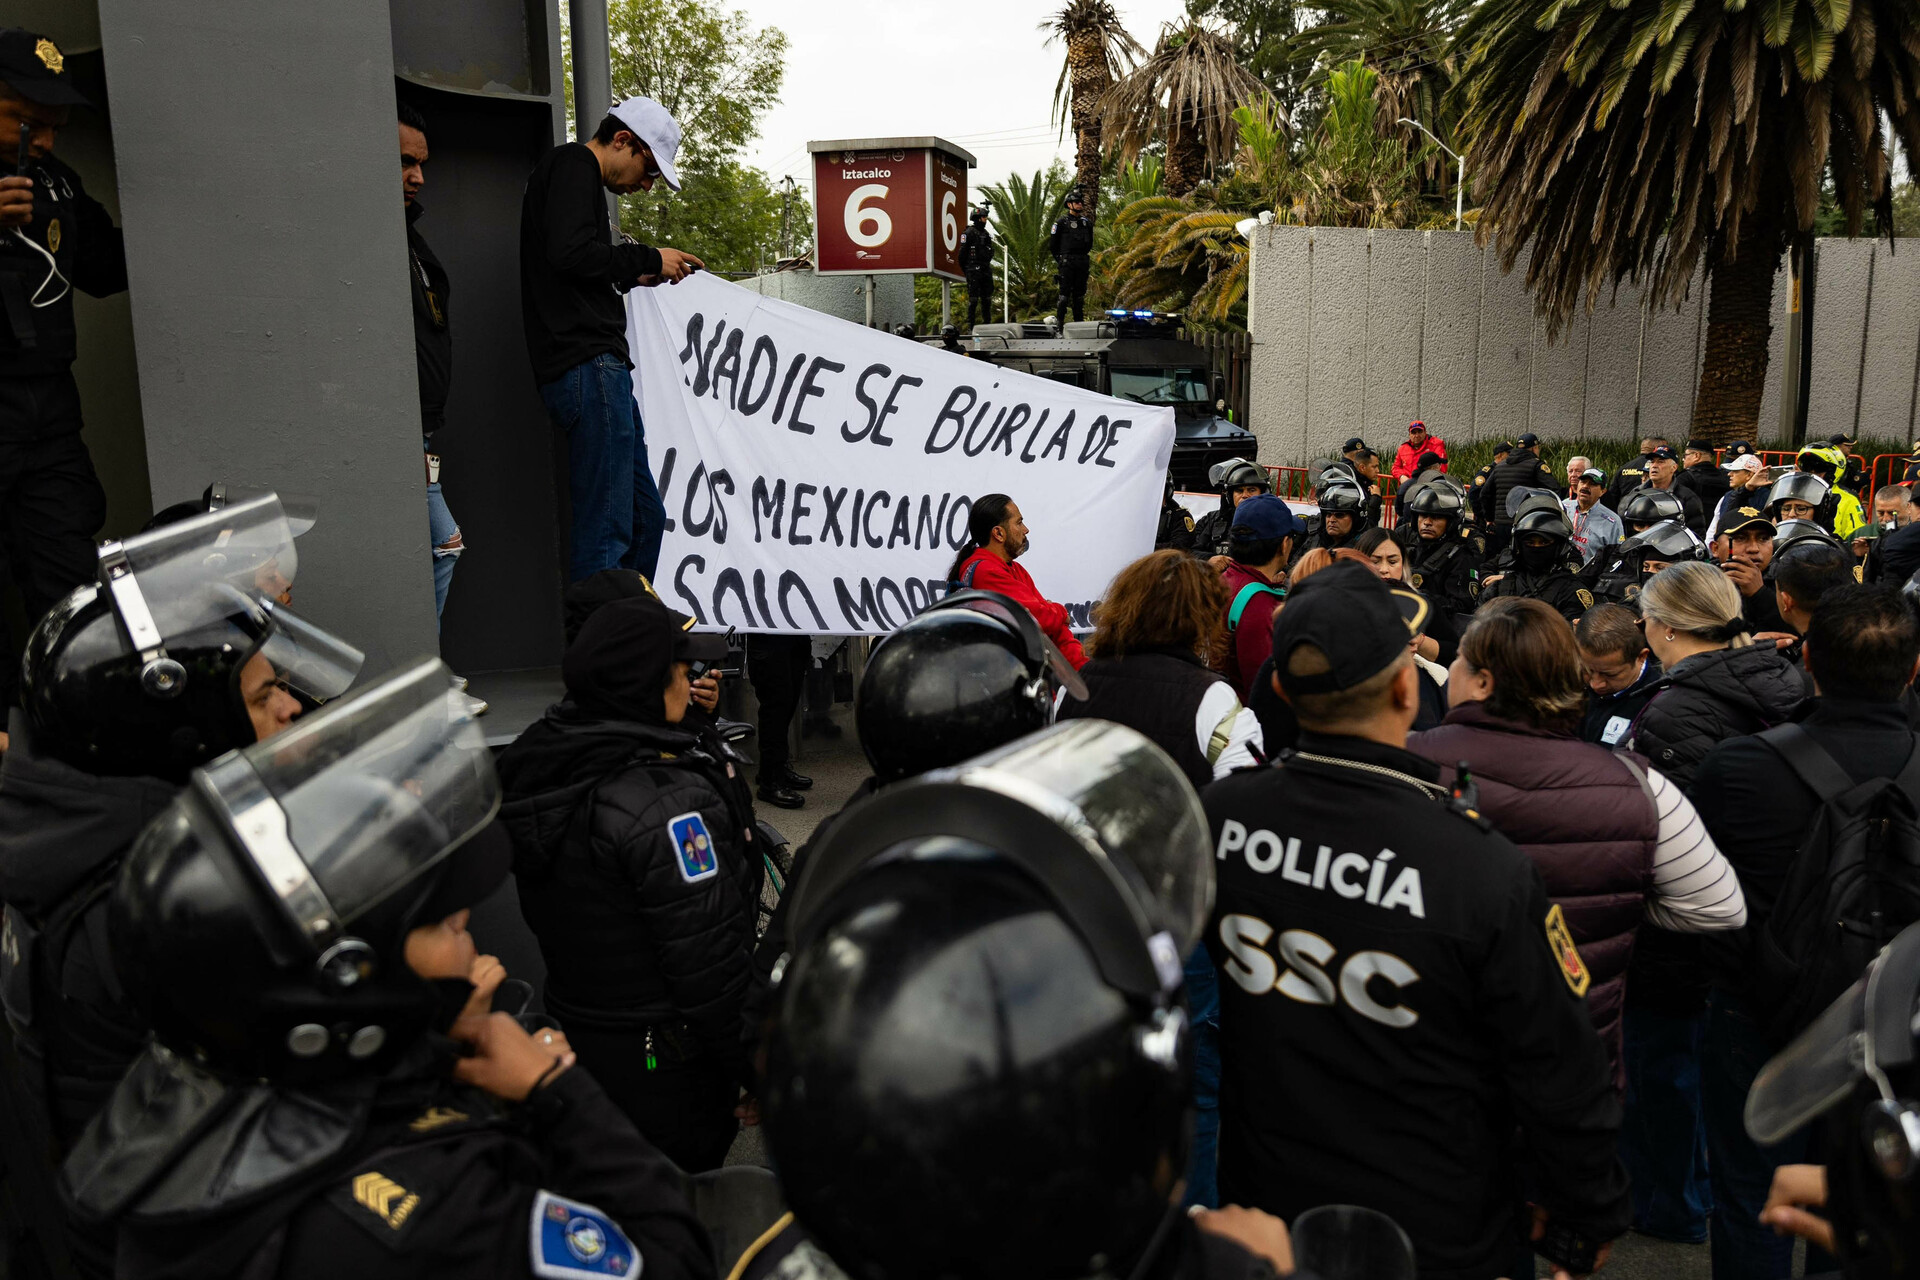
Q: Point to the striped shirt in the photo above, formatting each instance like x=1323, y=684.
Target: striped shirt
x=1695, y=889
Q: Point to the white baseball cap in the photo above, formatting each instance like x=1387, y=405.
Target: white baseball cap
x=654, y=125
x=1745, y=462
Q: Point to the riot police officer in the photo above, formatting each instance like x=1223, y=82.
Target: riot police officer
x=1545, y=566
x=175, y=658
x=1071, y=245
x=1343, y=513
x=1645, y=554
x=1398, y=994
x=1647, y=506
x=54, y=238
x=294, y=927
x=1443, y=556
x=980, y=1056
x=1237, y=480
x=976, y=263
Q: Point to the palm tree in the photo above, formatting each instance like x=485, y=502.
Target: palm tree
x=1183, y=94
x=1406, y=42
x=1640, y=139
x=1023, y=214
x=1099, y=50
x=1176, y=257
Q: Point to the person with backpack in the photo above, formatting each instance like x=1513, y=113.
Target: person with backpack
x=1264, y=534
x=1821, y=820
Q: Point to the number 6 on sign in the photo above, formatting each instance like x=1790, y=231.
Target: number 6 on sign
x=858, y=219
x=949, y=229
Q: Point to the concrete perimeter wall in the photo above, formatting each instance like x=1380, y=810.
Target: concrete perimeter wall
x=1356, y=332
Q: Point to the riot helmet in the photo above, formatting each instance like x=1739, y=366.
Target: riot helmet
x=140, y=674
x=1797, y=486
x=1669, y=542
x=1340, y=498
x=969, y=673
x=1238, y=473
x=1648, y=506
x=260, y=922
x=1439, y=499
x=1857, y=1066
x=995, y=943
x=302, y=513
x=1540, y=535
x=1791, y=533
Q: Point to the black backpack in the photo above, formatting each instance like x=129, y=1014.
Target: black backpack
x=1854, y=883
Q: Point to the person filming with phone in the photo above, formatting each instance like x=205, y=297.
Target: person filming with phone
x=54, y=238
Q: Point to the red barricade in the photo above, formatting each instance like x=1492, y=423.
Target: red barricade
x=1888, y=468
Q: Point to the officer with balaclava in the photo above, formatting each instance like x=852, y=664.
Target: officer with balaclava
x=980, y=1055
x=1237, y=480
x=176, y=656
x=1071, y=245
x=1443, y=556
x=326, y=1093
x=1545, y=565
x=976, y=263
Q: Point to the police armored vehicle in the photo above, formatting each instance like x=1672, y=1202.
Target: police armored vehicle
x=1131, y=355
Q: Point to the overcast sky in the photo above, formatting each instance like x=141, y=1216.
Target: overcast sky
x=978, y=74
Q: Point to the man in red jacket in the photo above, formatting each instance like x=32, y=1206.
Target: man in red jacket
x=1406, y=463
x=996, y=537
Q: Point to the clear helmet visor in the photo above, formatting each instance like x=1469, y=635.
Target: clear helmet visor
x=1127, y=797
x=356, y=801
x=1799, y=486
x=1790, y=533
x=182, y=577
x=1670, y=540
x=308, y=659
x=302, y=512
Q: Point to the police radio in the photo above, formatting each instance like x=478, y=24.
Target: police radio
x=1465, y=797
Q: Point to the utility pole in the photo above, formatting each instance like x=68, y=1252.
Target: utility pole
x=1006, y=280
x=1460, y=183
x=786, y=209
x=592, y=78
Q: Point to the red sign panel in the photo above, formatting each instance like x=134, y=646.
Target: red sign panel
x=886, y=211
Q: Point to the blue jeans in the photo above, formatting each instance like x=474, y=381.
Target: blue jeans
x=618, y=518
x=1203, y=1007
x=442, y=528
x=1741, y=1169
x=1664, y=1140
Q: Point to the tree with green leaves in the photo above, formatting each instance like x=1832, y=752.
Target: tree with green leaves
x=1099, y=51
x=719, y=76
x=1182, y=95
x=1263, y=32
x=1645, y=139
x=1353, y=173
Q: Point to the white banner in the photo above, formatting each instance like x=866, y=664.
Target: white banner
x=817, y=474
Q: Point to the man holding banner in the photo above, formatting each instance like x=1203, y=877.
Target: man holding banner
x=996, y=537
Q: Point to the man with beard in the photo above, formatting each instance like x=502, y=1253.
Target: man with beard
x=996, y=537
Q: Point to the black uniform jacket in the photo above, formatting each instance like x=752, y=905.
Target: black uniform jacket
x=1399, y=999
x=411, y=1176
x=631, y=935
x=1561, y=587
x=976, y=251
x=62, y=836
x=1072, y=236
x=86, y=246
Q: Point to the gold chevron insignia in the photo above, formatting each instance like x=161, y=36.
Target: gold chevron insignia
x=434, y=1117
x=390, y=1202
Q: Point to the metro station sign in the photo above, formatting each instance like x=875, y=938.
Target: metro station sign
x=889, y=206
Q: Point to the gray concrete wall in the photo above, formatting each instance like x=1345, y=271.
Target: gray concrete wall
x=269, y=284
x=843, y=296
x=1355, y=332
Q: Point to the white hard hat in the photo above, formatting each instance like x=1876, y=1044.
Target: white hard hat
x=654, y=125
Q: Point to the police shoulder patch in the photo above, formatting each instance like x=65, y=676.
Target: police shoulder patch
x=1560, y=939
x=570, y=1240
x=1584, y=596
x=693, y=849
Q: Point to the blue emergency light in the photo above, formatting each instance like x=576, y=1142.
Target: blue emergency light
x=1122, y=312
x=1143, y=315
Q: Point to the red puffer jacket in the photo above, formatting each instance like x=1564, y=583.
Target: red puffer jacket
x=989, y=572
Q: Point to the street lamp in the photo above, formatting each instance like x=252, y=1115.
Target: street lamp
x=1460, y=183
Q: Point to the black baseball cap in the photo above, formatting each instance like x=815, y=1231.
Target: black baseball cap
x=1349, y=613
x=1351, y=445
x=1505, y=446
x=1740, y=517
x=1529, y=440
x=620, y=660
x=1739, y=447
x=33, y=67
x=1665, y=451
x=1267, y=518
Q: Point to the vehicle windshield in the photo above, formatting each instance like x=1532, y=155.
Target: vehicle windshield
x=1162, y=386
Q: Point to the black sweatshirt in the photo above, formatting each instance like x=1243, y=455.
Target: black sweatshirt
x=569, y=265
